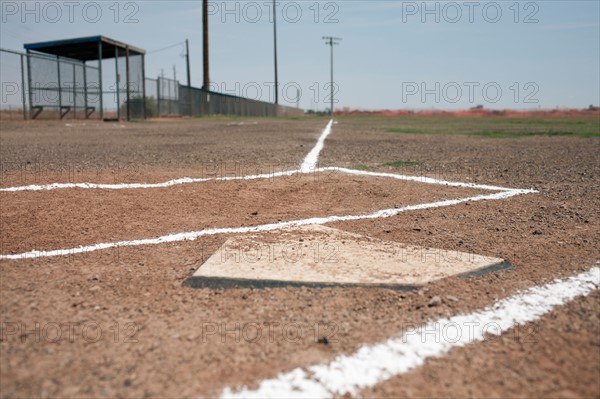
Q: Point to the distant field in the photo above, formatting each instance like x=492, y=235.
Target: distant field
x=491, y=127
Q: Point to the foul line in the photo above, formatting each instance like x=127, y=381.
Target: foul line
x=310, y=162
x=129, y=186
x=308, y=166
x=371, y=365
x=193, y=235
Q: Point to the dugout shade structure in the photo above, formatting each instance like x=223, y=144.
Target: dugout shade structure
x=69, y=76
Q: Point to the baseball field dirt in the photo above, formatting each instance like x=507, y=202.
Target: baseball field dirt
x=119, y=322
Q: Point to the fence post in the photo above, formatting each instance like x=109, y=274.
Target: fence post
x=29, y=82
x=127, y=87
x=59, y=86
x=100, y=88
x=117, y=78
x=158, y=97
x=74, y=94
x=144, y=86
x=23, y=88
x=169, y=97
x=85, y=94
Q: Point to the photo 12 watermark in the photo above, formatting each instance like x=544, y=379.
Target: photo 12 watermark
x=55, y=332
x=289, y=92
x=452, y=12
x=467, y=332
x=54, y=12
x=313, y=252
x=268, y=332
x=293, y=12
x=470, y=92
x=22, y=173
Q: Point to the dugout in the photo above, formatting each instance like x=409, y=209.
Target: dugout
x=77, y=78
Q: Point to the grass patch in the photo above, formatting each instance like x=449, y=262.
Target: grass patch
x=488, y=127
x=361, y=167
x=409, y=131
x=399, y=164
x=495, y=133
x=509, y=134
x=588, y=135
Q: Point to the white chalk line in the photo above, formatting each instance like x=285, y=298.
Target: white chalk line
x=423, y=179
x=373, y=364
x=132, y=186
x=310, y=162
x=308, y=166
x=189, y=180
x=193, y=235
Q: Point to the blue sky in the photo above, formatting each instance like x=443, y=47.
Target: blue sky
x=394, y=54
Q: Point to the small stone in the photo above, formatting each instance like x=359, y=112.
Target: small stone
x=323, y=341
x=435, y=301
x=452, y=298
x=95, y=288
x=537, y=233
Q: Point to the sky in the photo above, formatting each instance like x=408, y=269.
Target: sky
x=393, y=54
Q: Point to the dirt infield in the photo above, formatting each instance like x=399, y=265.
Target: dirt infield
x=118, y=323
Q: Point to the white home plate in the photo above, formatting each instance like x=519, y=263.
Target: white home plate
x=321, y=256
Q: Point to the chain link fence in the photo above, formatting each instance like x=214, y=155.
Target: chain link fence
x=62, y=85
x=13, y=92
x=41, y=86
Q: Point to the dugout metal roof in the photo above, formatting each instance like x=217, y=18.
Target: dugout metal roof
x=85, y=48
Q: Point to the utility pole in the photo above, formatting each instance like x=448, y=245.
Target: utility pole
x=187, y=62
x=275, y=50
x=331, y=41
x=206, y=84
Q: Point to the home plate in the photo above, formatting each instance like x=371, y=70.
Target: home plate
x=320, y=256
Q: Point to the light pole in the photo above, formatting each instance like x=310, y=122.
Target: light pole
x=275, y=50
x=331, y=41
x=205, y=60
x=187, y=62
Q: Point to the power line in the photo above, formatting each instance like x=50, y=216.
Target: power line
x=166, y=48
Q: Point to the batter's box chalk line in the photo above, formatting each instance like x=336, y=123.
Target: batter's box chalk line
x=373, y=364
x=309, y=165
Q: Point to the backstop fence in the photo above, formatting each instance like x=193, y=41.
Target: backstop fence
x=42, y=86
